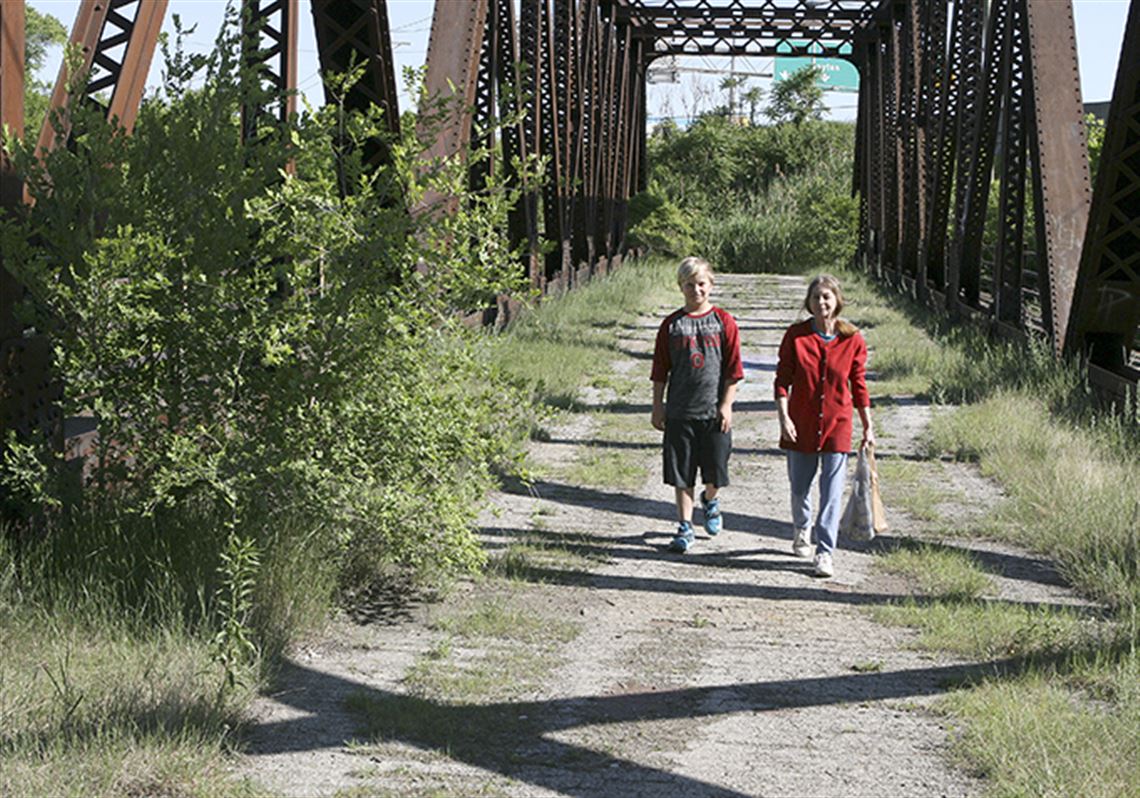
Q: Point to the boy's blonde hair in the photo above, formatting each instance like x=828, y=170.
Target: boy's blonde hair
x=693, y=265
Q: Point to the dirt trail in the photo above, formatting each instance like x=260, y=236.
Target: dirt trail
x=728, y=671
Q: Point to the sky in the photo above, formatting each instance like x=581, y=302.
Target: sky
x=1099, y=27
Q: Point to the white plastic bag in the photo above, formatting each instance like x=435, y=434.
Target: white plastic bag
x=878, y=511
x=858, y=520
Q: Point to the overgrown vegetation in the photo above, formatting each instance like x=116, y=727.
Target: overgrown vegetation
x=750, y=198
x=286, y=408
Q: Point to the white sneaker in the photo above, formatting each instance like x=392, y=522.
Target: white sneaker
x=823, y=566
x=801, y=543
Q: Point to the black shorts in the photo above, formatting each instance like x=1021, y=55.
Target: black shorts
x=691, y=443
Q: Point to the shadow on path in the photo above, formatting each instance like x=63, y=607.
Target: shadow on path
x=515, y=738
x=653, y=546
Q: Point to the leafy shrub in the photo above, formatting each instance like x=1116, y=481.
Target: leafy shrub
x=265, y=336
x=659, y=225
x=772, y=198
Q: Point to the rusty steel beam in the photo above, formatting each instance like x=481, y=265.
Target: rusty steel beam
x=565, y=30
x=608, y=91
x=508, y=67
x=454, y=49
x=551, y=135
x=485, y=112
x=912, y=205
x=1060, y=150
x=269, y=44
x=634, y=131
x=893, y=204
x=981, y=100
x=859, y=170
x=11, y=96
x=1009, y=253
x=101, y=28
x=619, y=177
x=941, y=120
x=592, y=121
x=533, y=66
x=352, y=32
x=1104, y=322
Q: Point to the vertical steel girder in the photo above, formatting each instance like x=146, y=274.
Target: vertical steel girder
x=352, y=32
x=941, y=104
x=28, y=393
x=117, y=40
x=454, y=50
x=969, y=33
x=11, y=94
x=550, y=138
x=269, y=35
x=1105, y=318
x=533, y=66
x=1059, y=146
x=565, y=85
x=913, y=207
x=893, y=173
x=1012, y=123
x=976, y=180
x=984, y=92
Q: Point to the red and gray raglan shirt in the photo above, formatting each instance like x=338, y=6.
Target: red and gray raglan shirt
x=697, y=357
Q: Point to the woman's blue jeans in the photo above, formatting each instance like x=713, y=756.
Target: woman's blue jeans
x=832, y=468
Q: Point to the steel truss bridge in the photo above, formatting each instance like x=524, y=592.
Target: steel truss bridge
x=957, y=99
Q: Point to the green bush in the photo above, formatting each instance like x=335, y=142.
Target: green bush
x=265, y=336
x=659, y=225
x=773, y=198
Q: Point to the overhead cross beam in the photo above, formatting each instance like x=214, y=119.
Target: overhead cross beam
x=746, y=27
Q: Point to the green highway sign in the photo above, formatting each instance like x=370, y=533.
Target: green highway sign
x=835, y=73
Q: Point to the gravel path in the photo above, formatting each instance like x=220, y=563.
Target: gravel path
x=728, y=671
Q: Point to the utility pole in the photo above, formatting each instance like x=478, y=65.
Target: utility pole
x=732, y=88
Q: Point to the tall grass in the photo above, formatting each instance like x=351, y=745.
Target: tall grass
x=90, y=704
x=1030, y=737
x=584, y=327
x=793, y=225
x=1066, y=720
x=1070, y=496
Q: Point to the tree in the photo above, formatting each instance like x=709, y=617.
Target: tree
x=42, y=32
x=730, y=85
x=753, y=97
x=797, y=97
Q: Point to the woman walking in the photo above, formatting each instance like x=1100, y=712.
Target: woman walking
x=820, y=383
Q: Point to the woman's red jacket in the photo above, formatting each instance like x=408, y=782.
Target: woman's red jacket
x=824, y=381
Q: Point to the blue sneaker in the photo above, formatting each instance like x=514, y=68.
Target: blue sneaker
x=713, y=522
x=683, y=539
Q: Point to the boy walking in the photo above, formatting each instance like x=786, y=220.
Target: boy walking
x=697, y=356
